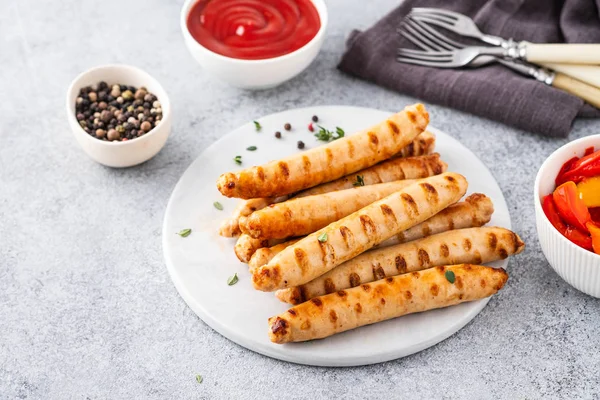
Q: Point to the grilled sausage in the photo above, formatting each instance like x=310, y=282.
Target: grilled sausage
x=265, y=254
x=422, y=145
x=358, y=232
x=476, y=210
x=385, y=299
x=298, y=217
x=470, y=246
x=328, y=162
x=230, y=227
x=246, y=246
x=387, y=171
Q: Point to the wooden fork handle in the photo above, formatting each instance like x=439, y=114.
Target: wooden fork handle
x=589, y=93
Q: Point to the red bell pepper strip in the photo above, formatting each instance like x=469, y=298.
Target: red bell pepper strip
x=581, y=239
x=570, y=207
x=566, y=167
x=575, y=236
x=585, y=167
x=595, y=214
x=595, y=231
x=588, y=151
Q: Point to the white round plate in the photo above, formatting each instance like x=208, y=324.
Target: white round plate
x=201, y=263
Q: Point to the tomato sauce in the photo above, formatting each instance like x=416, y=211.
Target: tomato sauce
x=253, y=29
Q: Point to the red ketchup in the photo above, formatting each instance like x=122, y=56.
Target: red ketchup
x=253, y=29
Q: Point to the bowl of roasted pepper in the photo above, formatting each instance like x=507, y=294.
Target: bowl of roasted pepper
x=567, y=208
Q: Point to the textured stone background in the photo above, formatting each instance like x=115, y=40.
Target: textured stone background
x=87, y=309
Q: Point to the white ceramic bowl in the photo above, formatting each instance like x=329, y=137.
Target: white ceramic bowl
x=255, y=74
x=131, y=152
x=579, y=267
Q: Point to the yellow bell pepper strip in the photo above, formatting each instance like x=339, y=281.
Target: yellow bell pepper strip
x=595, y=231
x=589, y=191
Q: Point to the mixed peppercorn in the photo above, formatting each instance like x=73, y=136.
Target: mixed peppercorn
x=117, y=112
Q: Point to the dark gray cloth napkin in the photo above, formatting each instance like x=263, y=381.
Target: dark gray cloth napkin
x=493, y=91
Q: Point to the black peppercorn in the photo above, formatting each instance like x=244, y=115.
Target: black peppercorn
x=80, y=117
x=287, y=126
x=278, y=135
x=102, y=85
x=300, y=144
x=315, y=118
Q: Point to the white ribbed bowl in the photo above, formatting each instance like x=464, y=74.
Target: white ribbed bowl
x=578, y=267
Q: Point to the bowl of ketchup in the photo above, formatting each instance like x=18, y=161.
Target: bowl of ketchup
x=567, y=213
x=254, y=44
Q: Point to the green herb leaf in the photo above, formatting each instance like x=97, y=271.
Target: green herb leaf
x=238, y=160
x=199, y=378
x=322, y=237
x=257, y=125
x=326, y=135
x=232, y=280
x=218, y=205
x=359, y=181
x=184, y=232
x=450, y=276
x=251, y=148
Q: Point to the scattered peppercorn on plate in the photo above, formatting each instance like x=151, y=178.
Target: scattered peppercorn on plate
x=327, y=224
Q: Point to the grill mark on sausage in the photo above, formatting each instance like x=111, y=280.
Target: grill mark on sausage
x=408, y=295
x=366, y=287
x=467, y=244
x=388, y=212
x=301, y=259
x=280, y=326
x=482, y=282
x=329, y=286
x=423, y=258
x=316, y=301
x=382, y=301
x=333, y=316
x=230, y=185
x=393, y=127
x=292, y=312
x=410, y=149
x=302, y=295
x=450, y=223
x=342, y=293
x=430, y=193
x=354, y=279
x=373, y=139
x=389, y=280
x=350, y=149
x=284, y=169
x=426, y=229
x=416, y=275
x=492, y=241
x=329, y=156
x=378, y=272
x=435, y=289
x=441, y=269
x=410, y=204
x=260, y=172
x=401, y=237
x=400, y=264
x=502, y=253
x=459, y=282
x=287, y=214
x=306, y=164
x=368, y=225
x=305, y=325
x=444, y=250
x=450, y=179
x=411, y=116
x=358, y=308
x=347, y=236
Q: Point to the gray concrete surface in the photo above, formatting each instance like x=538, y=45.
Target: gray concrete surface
x=87, y=309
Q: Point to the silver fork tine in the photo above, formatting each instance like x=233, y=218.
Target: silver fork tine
x=423, y=63
x=417, y=38
x=433, y=20
x=432, y=54
x=437, y=11
x=414, y=54
x=436, y=36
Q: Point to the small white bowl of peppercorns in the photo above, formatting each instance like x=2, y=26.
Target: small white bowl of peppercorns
x=119, y=114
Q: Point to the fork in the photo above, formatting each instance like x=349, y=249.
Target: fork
x=537, y=53
x=436, y=47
